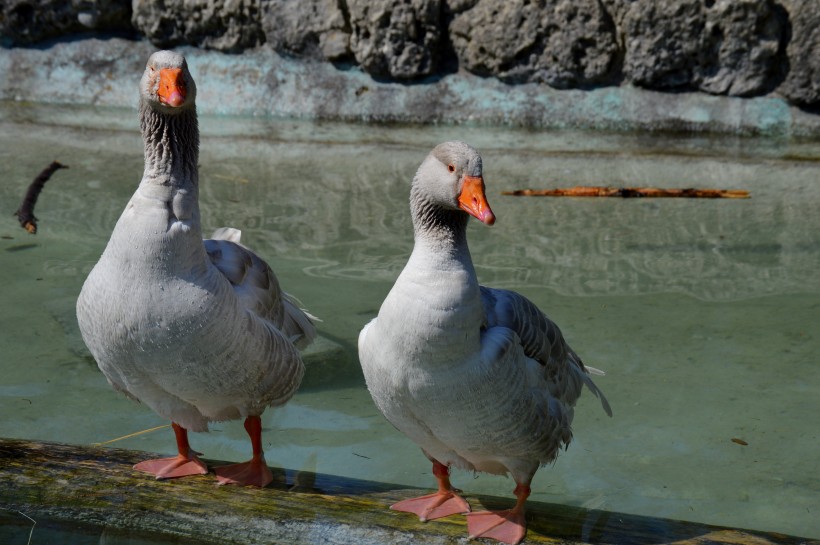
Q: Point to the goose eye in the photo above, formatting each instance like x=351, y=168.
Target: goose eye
x=451, y=167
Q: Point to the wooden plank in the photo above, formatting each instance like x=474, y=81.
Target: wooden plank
x=97, y=485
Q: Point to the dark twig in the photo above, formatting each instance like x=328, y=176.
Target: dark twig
x=25, y=214
x=628, y=192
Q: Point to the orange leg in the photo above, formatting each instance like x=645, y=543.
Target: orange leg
x=443, y=503
x=254, y=472
x=508, y=526
x=183, y=464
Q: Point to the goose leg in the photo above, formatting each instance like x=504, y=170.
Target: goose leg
x=508, y=526
x=443, y=503
x=254, y=472
x=183, y=464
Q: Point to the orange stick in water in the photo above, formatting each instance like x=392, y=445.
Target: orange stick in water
x=631, y=192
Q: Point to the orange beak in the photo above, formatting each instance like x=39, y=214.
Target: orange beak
x=473, y=201
x=171, y=87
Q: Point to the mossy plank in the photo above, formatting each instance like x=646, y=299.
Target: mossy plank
x=98, y=485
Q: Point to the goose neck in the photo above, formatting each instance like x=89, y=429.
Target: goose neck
x=442, y=230
x=171, y=146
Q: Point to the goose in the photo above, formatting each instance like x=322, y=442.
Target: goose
x=478, y=377
x=197, y=330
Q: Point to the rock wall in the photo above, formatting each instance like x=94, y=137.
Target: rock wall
x=743, y=48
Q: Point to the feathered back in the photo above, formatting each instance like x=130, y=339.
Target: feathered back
x=257, y=287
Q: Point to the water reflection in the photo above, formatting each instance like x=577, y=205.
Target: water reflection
x=17, y=528
x=701, y=312
x=712, y=250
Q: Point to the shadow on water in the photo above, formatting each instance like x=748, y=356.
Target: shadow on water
x=20, y=247
x=16, y=528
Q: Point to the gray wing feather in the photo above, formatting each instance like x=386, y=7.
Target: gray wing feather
x=257, y=287
x=542, y=340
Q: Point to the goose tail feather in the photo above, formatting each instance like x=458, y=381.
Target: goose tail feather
x=299, y=323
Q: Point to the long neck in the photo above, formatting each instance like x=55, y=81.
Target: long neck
x=441, y=231
x=171, y=147
x=171, y=174
x=164, y=212
x=439, y=281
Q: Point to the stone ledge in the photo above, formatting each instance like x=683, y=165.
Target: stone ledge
x=259, y=82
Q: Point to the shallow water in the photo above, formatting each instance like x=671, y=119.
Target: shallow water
x=703, y=313
x=17, y=528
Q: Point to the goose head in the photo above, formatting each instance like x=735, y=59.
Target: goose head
x=167, y=85
x=450, y=180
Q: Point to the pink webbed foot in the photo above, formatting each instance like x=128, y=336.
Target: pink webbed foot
x=251, y=473
x=504, y=526
x=254, y=472
x=443, y=503
x=434, y=506
x=170, y=468
x=183, y=464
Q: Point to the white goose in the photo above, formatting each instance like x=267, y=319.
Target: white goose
x=197, y=330
x=478, y=377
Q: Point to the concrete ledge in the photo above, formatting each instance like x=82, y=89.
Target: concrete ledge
x=95, y=485
x=106, y=72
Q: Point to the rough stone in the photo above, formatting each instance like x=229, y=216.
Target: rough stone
x=802, y=84
x=265, y=85
x=745, y=45
x=224, y=25
x=307, y=28
x=564, y=43
x=25, y=22
x=400, y=40
x=718, y=46
x=660, y=40
x=730, y=47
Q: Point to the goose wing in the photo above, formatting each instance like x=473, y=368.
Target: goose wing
x=542, y=340
x=257, y=287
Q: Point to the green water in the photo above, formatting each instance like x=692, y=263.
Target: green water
x=703, y=313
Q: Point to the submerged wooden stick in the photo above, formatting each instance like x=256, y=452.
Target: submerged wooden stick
x=98, y=486
x=628, y=192
x=25, y=214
